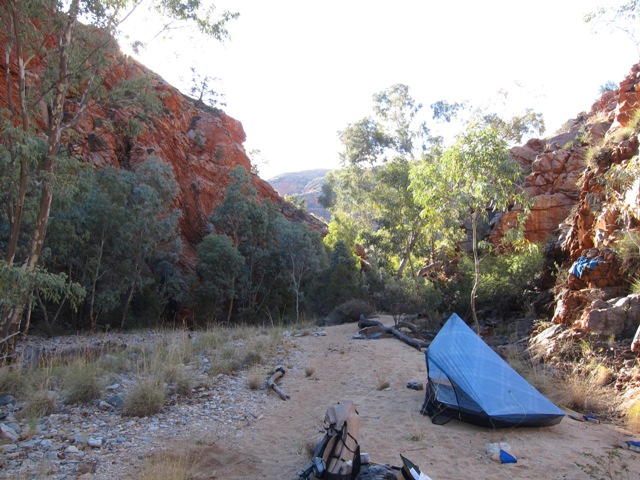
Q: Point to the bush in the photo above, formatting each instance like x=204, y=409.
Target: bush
x=633, y=416
x=628, y=247
x=404, y=295
x=40, y=404
x=350, y=311
x=81, y=382
x=13, y=381
x=504, y=278
x=146, y=398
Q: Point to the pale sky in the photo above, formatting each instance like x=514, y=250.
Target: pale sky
x=295, y=72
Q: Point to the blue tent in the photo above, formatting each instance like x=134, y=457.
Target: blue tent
x=468, y=380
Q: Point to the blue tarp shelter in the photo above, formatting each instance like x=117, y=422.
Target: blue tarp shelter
x=469, y=381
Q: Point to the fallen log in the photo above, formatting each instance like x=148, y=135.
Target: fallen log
x=414, y=342
x=271, y=382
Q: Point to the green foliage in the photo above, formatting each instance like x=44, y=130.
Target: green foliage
x=350, y=311
x=268, y=260
x=219, y=264
x=338, y=283
x=628, y=249
x=516, y=128
x=608, y=86
x=446, y=111
x=119, y=239
x=504, y=277
x=403, y=295
x=620, y=17
x=370, y=196
x=474, y=176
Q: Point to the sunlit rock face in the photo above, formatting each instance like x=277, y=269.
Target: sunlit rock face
x=202, y=144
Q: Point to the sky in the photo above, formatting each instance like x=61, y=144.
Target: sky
x=296, y=72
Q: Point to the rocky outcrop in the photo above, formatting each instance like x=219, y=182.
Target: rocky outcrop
x=585, y=195
x=202, y=144
x=553, y=171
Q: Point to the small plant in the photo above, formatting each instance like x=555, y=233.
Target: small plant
x=415, y=434
x=611, y=465
x=146, y=398
x=180, y=380
x=81, y=382
x=628, y=248
x=595, y=155
x=225, y=362
x=382, y=382
x=13, y=381
x=168, y=467
x=633, y=416
x=580, y=391
x=40, y=404
x=255, y=379
x=350, y=311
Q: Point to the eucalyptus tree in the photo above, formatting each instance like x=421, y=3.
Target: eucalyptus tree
x=372, y=186
x=42, y=40
x=219, y=265
x=621, y=17
x=303, y=254
x=473, y=176
x=251, y=224
x=118, y=235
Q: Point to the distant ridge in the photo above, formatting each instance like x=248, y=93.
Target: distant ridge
x=306, y=184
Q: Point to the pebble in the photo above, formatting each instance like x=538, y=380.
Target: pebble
x=97, y=437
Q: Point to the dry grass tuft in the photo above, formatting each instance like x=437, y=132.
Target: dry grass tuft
x=633, y=416
x=382, y=382
x=309, y=370
x=146, y=398
x=416, y=431
x=81, y=382
x=40, y=404
x=255, y=379
x=13, y=381
x=580, y=391
x=167, y=467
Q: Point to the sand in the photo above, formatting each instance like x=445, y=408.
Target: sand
x=273, y=446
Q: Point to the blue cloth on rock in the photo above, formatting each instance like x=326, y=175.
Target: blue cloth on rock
x=581, y=263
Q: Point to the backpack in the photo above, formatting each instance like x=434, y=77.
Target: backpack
x=337, y=455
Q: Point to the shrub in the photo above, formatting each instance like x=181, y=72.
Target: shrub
x=405, y=295
x=169, y=466
x=40, y=404
x=179, y=379
x=13, y=381
x=579, y=390
x=633, y=416
x=81, y=382
x=255, y=379
x=146, y=398
x=503, y=279
x=628, y=247
x=350, y=311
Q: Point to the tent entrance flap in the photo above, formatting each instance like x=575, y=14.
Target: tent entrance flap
x=468, y=380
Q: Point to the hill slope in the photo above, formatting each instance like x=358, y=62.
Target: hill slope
x=305, y=185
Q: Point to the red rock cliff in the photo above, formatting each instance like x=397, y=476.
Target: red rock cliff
x=203, y=145
x=585, y=188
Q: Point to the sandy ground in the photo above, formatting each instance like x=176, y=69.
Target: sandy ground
x=273, y=446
